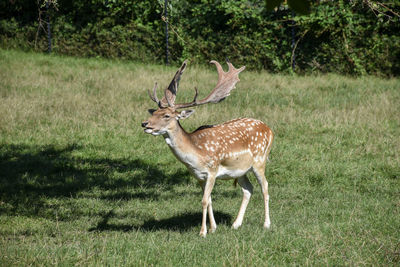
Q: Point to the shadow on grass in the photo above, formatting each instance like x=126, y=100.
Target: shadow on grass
x=179, y=223
x=30, y=173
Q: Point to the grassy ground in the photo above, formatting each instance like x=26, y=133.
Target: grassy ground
x=81, y=184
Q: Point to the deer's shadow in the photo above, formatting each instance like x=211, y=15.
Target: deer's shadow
x=31, y=174
x=179, y=223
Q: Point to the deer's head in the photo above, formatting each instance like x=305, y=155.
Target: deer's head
x=166, y=117
x=163, y=120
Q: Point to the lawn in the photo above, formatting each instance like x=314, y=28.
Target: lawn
x=82, y=184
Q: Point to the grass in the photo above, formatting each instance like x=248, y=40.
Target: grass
x=81, y=184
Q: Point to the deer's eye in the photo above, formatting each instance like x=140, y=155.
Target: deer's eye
x=166, y=116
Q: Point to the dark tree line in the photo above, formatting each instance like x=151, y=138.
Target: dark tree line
x=344, y=36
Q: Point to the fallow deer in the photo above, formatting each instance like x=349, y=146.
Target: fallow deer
x=224, y=151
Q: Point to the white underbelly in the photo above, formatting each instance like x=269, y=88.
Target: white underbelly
x=225, y=173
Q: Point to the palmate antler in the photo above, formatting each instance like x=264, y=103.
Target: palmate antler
x=170, y=91
x=226, y=82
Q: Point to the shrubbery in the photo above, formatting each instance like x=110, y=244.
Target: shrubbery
x=347, y=37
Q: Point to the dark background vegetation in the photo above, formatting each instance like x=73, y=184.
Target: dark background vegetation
x=348, y=37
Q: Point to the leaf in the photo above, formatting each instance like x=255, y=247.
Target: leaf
x=271, y=4
x=300, y=6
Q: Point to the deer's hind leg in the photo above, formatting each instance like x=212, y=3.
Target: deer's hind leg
x=259, y=172
x=247, y=189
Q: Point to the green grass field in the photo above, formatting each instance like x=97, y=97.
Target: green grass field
x=81, y=184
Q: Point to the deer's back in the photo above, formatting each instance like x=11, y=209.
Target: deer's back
x=236, y=142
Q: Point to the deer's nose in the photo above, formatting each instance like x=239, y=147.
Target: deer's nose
x=144, y=123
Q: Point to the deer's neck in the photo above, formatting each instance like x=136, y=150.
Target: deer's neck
x=180, y=143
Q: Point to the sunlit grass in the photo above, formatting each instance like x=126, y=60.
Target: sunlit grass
x=81, y=184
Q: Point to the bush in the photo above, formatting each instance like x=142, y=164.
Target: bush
x=337, y=36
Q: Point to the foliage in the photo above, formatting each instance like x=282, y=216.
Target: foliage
x=350, y=37
x=300, y=6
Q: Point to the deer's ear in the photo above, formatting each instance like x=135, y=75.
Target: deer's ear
x=151, y=111
x=185, y=114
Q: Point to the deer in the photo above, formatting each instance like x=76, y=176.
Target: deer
x=223, y=151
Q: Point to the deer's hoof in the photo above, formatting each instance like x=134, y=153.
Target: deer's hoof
x=236, y=225
x=203, y=233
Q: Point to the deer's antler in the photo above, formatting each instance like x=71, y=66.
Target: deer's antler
x=154, y=95
x=226, y=82
x=170, y=92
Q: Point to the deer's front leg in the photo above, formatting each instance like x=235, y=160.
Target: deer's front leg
x=206, y=201
x=213, y=224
